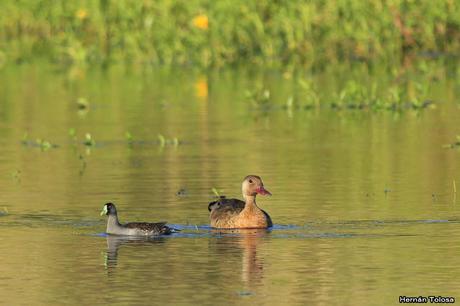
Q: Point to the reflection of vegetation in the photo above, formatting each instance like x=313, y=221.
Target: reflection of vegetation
x=455, y=144
x=82, y=164
x=3, y=211
x=129, y=137
x=82, y=103
x=16, y=175
x=260, y=98
x=89, y=141
x=217, y=33
x=73, y=133
x=309, y=94
x=163, y=141
x=44, y=145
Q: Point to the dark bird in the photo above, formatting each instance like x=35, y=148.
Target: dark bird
x=134, y=228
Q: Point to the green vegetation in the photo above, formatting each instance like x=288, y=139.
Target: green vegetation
x=4, y=211
x=353, y=96
x=82, y=103
x=44, y=145
x=455, y=144
x=16, y=175
x=129, y=137
x=89, y=141
x=163, y=141
x=204, y=33
x=260, y=98
x=216, y=192
x=73, y=133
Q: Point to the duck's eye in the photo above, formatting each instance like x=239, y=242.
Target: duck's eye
x=250, y=181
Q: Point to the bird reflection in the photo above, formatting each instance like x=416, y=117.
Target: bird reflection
x=114, y=243
x=246, y=241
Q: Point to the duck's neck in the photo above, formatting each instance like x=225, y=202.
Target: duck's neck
x=112, y=223
x=250, y=203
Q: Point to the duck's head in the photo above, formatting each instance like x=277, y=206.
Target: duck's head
x=253, y=185
x=109, y=209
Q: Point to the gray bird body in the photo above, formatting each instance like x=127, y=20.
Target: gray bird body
x=114, y=227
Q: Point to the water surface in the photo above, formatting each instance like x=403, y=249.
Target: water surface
x=363, y=201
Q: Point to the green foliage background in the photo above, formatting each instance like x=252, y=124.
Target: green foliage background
x=255, y=31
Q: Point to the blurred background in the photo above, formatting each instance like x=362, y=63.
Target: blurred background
x=203, y=34
x=347, y=109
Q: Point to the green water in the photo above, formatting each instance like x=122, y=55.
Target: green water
x=363, y=201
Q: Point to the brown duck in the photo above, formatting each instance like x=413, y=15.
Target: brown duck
x=234, y=213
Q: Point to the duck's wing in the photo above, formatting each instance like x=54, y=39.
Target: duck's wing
x=226, y=204
x=269, y=220
x=223, y=211
x=159, y=228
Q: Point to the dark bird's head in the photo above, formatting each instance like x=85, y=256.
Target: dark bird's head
x=109, y=209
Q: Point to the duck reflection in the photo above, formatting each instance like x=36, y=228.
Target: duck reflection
x=246, y=242
x=115, y=242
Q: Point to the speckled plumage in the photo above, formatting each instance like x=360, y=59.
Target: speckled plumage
x=114, y=227
x=159, y=228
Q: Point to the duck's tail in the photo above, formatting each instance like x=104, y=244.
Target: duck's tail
x=170, y=230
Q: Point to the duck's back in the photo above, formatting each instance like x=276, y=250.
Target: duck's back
x=224, y=210
x=224, y=204
x=225, y=213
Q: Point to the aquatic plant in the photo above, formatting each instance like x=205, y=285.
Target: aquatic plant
x=25, y=136
x=4, y=211
x=455, y=144
x=259, y=98
x=82, y=103
x=16, y=175
x=82, y=164
x=163, y=141
x=44, y=145
x=309, y=94
x=454, y=185
x=129, y=136
x=355, y=96
x=129, y=139
x=89, y=141
x=217, y=193
x=73, y=133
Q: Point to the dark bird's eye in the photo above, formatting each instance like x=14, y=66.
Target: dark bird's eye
x=250, y=181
